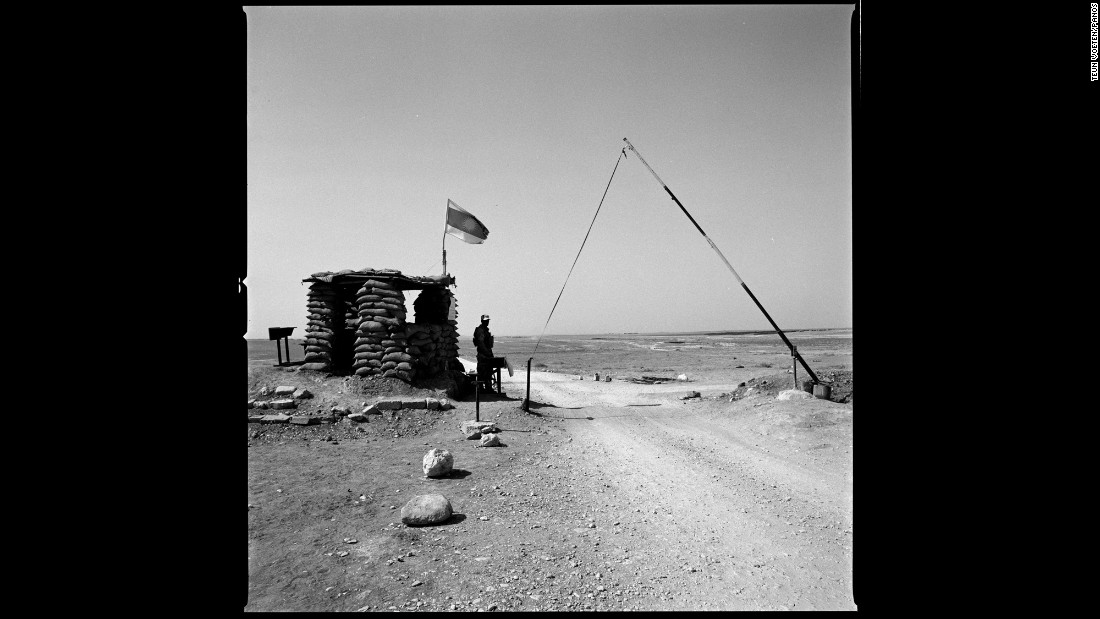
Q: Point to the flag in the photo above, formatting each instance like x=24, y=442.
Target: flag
x=465, y=226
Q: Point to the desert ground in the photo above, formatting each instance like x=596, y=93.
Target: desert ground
x=621, y=495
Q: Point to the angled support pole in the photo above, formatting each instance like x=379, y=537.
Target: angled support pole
x=794, y=352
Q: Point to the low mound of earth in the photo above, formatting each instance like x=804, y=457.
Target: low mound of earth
x=605, y=496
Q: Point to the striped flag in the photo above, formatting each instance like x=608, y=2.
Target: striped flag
x=465, y=226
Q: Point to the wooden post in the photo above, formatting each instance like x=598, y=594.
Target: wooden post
x=527, y=400
x=794, y=364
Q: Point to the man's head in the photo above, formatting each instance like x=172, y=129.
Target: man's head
x=485, y=319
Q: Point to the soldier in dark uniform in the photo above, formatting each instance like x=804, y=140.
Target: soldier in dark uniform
x=483, y=341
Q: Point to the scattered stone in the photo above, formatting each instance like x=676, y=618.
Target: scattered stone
x=341, y=411
x=794, y=394
x=416, y=583
x=280, y=404
x=489, y=440
x=445, y=405
x=438, y=462
x=426, y=509
x=690, y=395
x=284, y=391
x=265, y=391
x=350, y=540
x=302, y=394
x=474, y=429
x=683, y=377
x=277, y=418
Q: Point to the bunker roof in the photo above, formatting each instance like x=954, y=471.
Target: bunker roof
x=393, y=276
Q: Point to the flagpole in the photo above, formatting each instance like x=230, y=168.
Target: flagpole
x=794, y=351
x=445, y=242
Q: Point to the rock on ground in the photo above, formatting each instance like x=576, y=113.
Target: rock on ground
x=793, y=394
x=490, y=440
x=284, y=390
x=438, y=462
x=425, y=510
x=474, y=429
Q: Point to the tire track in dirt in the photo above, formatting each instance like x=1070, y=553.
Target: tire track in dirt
x=734, y=527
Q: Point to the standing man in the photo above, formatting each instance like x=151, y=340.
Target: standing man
x=483, y=341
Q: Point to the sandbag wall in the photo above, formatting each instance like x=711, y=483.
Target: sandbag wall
x=433, y=338
x=381, y=341
x=330, y=328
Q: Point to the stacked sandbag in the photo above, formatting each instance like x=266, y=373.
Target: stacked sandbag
x=434, y=338
x=324, y=326
x=448, y=349
x=381, y=342
x=420, y=347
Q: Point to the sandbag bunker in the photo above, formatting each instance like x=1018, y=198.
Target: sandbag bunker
x=357, y=324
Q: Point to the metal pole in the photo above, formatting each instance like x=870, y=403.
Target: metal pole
x=727, y=262
x=527, y=400
x=445, y=238
x=794, y=365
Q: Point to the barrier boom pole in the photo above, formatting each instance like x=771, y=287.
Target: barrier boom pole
x=794, y=351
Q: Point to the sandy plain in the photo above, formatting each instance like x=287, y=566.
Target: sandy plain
x=606, y=495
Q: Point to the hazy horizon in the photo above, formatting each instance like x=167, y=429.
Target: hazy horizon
x=643, y=333
x=363, y=121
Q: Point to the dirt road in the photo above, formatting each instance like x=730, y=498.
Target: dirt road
x=606, y=496
x=743, y=505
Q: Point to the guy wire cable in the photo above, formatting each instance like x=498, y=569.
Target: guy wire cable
x=621, y=156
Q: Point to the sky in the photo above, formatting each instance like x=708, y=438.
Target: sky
x=363, y=122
